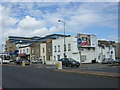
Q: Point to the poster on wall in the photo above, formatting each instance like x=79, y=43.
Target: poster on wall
x=87, y=40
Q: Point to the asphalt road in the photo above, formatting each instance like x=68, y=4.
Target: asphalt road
x=86, y=67
x=26, y=77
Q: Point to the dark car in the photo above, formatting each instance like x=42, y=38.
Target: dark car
x=19, y=62
x=70, y=62
x=117, y=61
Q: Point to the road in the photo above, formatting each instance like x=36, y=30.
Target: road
x=26, y=77
x=85, y=67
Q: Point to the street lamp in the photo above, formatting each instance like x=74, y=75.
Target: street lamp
x=64, y=37
x=2, y=54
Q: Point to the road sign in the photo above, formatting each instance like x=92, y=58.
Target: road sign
x=79, y=41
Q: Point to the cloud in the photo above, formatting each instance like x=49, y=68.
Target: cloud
x=31, y=19
x=29, y=23
x=7, y=21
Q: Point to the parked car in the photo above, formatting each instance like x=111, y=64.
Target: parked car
x=108, y=61
x=70, y=62
x=19, y=62
x=5, y=61
x=117, y=61
x=37, y=61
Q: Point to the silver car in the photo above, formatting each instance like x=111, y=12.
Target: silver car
x=107, y=61
x=37, y=61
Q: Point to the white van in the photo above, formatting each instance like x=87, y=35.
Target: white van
x=5, y=61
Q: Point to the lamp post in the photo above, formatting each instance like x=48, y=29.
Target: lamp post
x=2, y=54
x=64, y=37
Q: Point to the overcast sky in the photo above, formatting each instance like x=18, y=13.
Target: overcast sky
x=41, y=18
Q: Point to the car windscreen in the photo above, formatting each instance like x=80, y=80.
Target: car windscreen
x=71, y=59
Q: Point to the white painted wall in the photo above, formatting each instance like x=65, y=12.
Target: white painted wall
x=24, y=49
x=105, y=53
x=74, y=53
x=90, y=53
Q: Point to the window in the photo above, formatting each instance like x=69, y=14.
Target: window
x=99, y=57
x=58, y=48
x=55, y=49
x=44, y=58
x=49, y=58
x=103, y=56
x=54, y=58
x=27, y=50
x=58, y=56
x=69, y=47
x=83, y=58
x=23, y=50
x=43, y=50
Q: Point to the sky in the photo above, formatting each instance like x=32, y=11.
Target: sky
x=41, y=18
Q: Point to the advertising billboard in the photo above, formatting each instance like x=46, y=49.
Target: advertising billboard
x=87, y=40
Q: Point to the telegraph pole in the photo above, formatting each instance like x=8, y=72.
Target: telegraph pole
x=2, y=55
x=79, y=48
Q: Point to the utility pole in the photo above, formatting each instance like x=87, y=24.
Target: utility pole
x=80, y=56
x=64, y=38
x=79, y=48
x=2, y=55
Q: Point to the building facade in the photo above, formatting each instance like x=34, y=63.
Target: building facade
x=88, y=53
x=105, y=49
x=35, y=51
x=23, y=49
x=51, y=47
x=41, y=50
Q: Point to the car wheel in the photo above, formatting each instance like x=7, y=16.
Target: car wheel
x=66, y=65
x=77, y=66
x=70, y=65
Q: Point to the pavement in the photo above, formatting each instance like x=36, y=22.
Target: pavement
x=93, y=69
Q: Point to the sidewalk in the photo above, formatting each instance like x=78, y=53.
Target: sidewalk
x=92, y=72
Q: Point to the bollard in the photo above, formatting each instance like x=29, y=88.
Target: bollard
x=23, y=63
x=59, y=64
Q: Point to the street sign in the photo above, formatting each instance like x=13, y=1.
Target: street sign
x=79, y=42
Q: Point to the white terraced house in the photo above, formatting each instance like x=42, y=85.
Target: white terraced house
x=90, y=53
